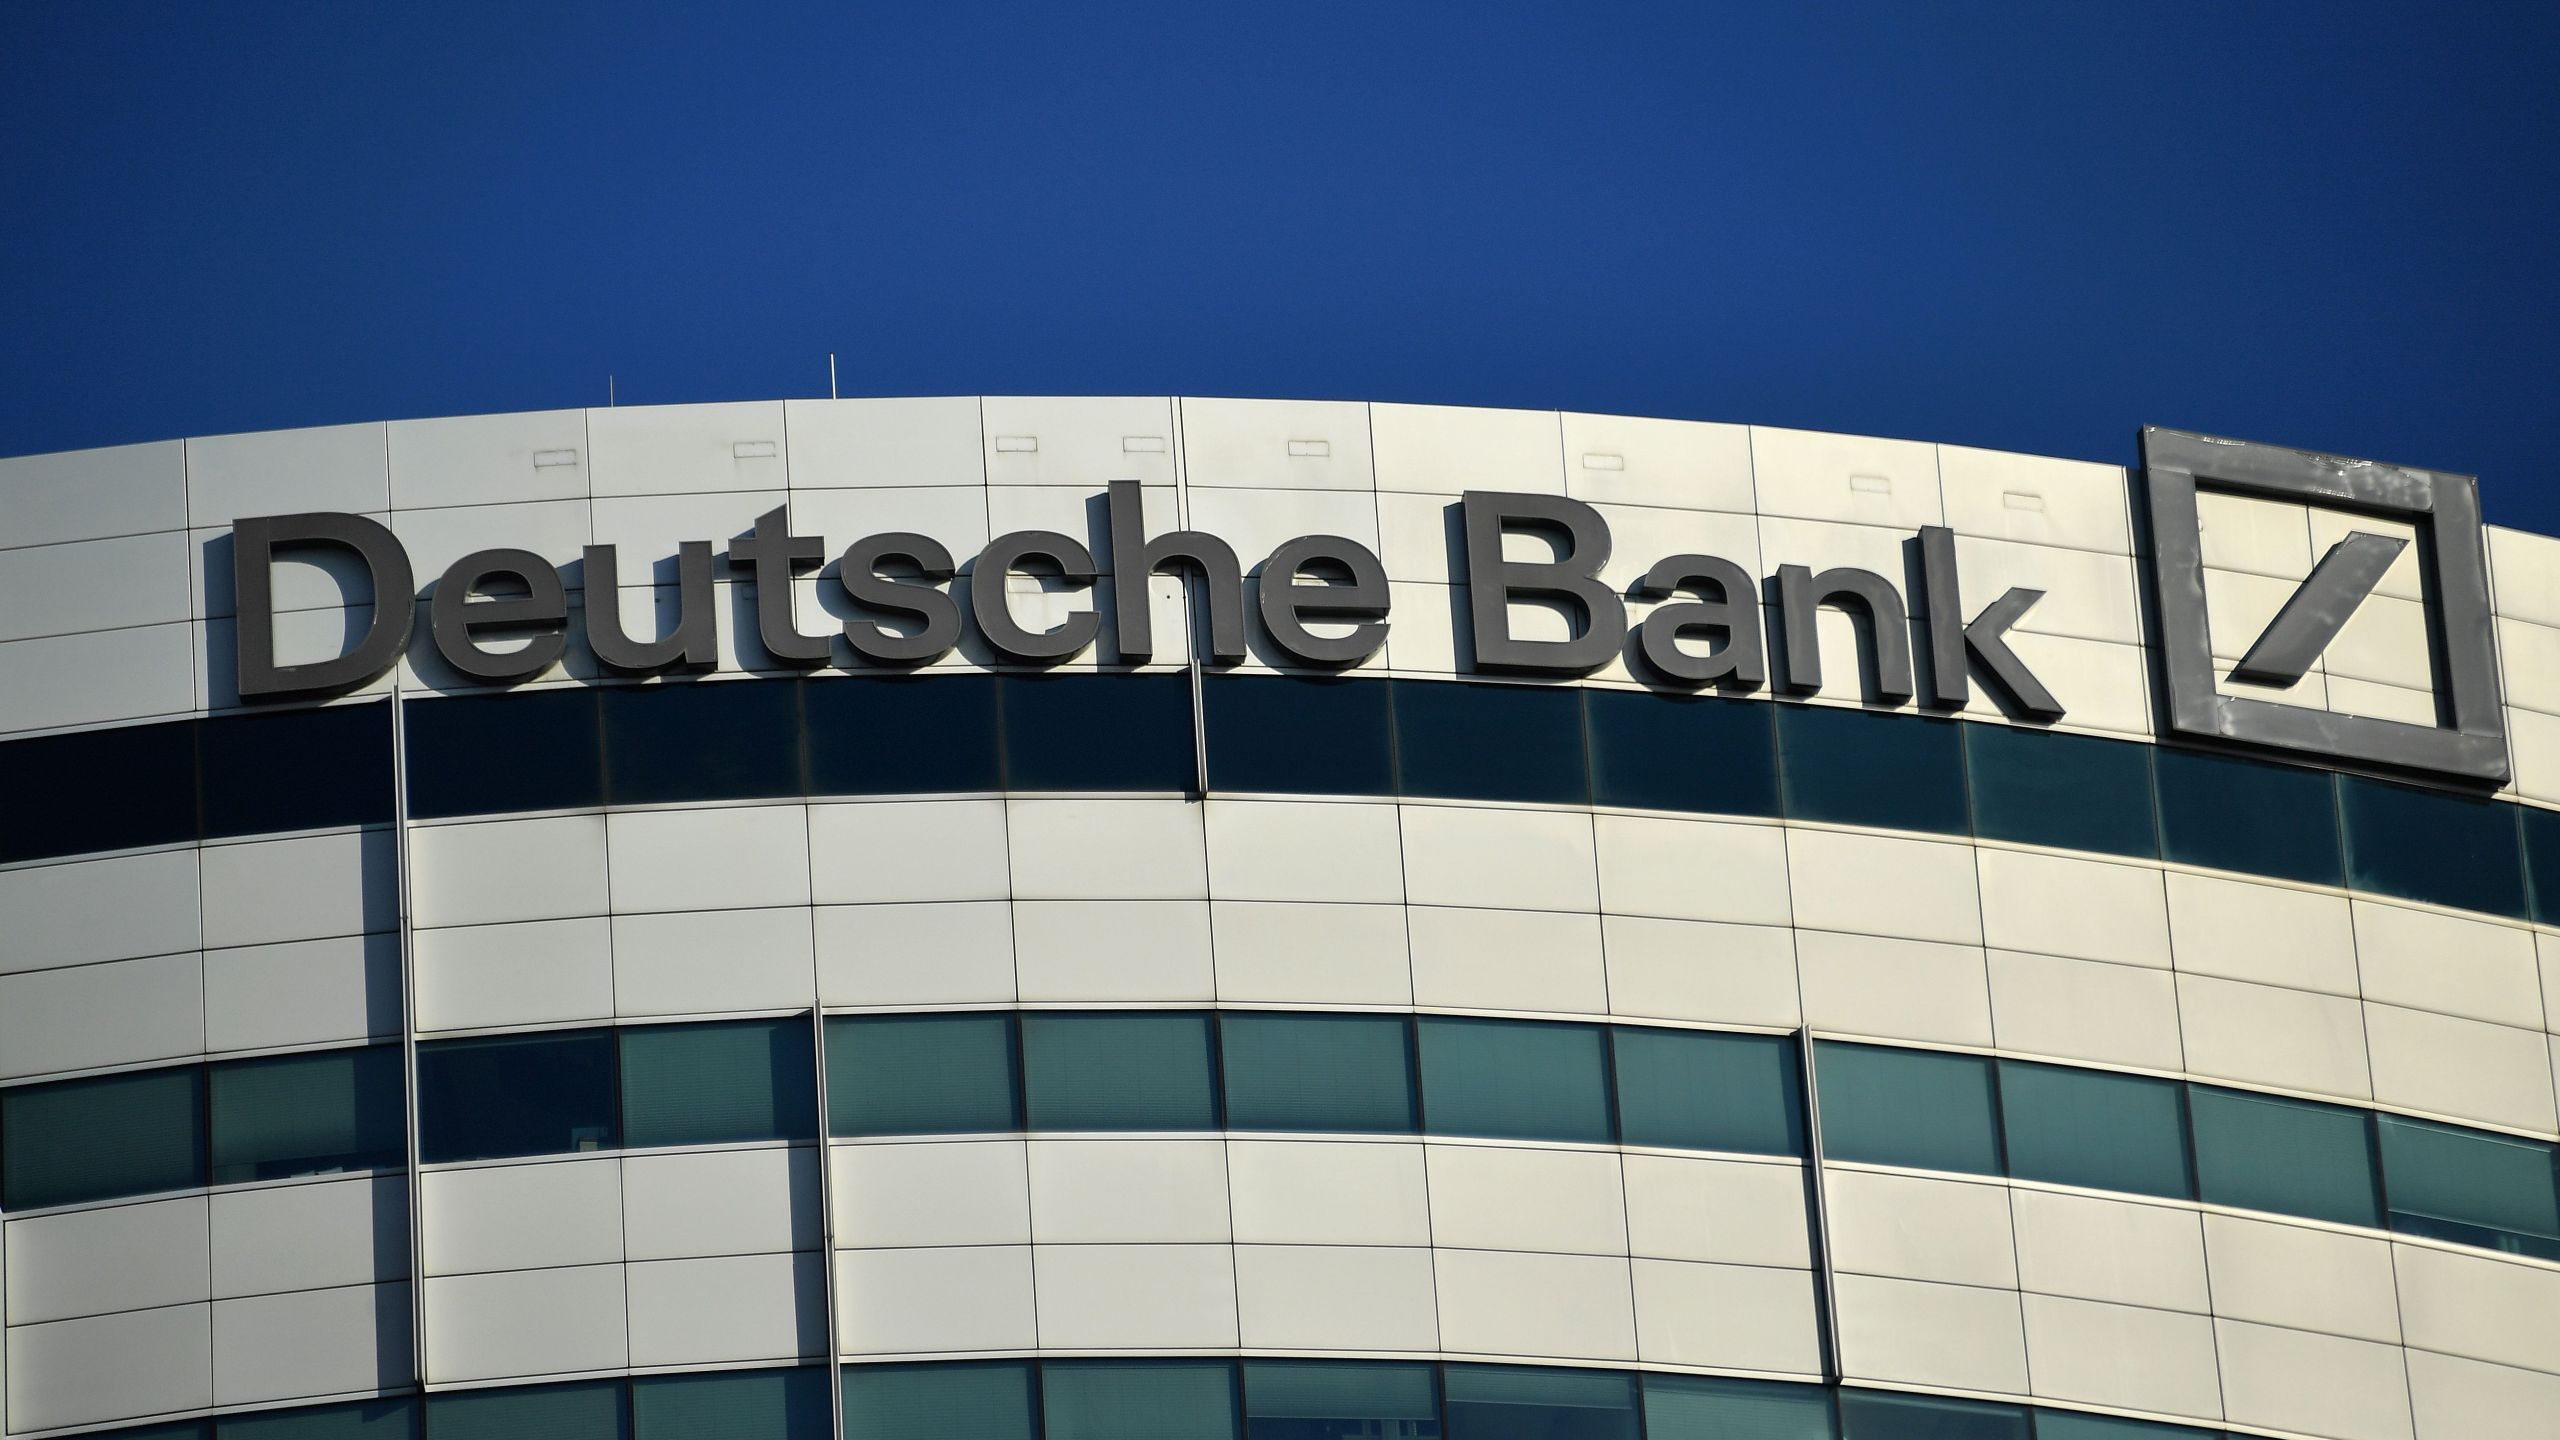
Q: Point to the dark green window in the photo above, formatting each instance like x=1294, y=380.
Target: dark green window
x=1916, y=1108
x=1695, y=1407
x=724, y=1081
x=922, y=1075
x=1515, y=1079
x=2542, y=859
x=308, y=1114
x=1696, y=1090
x=2246, y=815
x=99, y=790
x=1676, y=752
x=1322, y=1400
x=2075, y=792
x=2070, y=1425
x=1119, y=1072
x=940, y=1402
x=1098, y=732
x=746, y=1405
x=96, y=1139
x=901, y=735
x=1287, y=735
x=489, y=754
x=701, y=740
x=2292, y=1157
x=1868, y=1415
x=364, y=1420
x=1138, y=1399
x=2427, y=845
x=589, y=1410
x=1517, y=1402
x=2094, y=1128
x=1317, y=1072
x=1862, y=767
x=1464, y=741
x=494, y=1096
x=2463, y=1185
x=337, y=760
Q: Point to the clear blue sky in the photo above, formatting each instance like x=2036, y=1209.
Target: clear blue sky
x=2033, y=226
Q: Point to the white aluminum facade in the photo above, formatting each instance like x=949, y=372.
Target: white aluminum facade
x=253, y=1295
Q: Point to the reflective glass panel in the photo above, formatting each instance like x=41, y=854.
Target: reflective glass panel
x=592, y=1410
x=1679, y=752
x=96, y=1139
x=901, y=735
x=308, y=1114
x=1317, y=1072
x=1098, y=732
x=1867, y=1415
x=1862, y=767
x=1287, y=735
x=921, y=1075
x=1694, y=1407
x=2075, y=792
x=365, y=1420
x=2070, y=1425
x=297, y=769
x=746, y=1405
x=498, y=1095
x=939, y=1402
x=2427, y=845
x=2542, y=860
x=1697, y=1090
x=1138, y=1399
x=2293, y=1157
x=1516, y=1402
x=2093, y=1128
x=713, y=1083
x=99, y=790
x=1919, y=1108
x=490, y=754
x=701, y=740
x=1458, y=740
x=2246, y=815
x=1319, y=1400
x=1515, y=1079
x=1119, y=1072
x=2469, y=1186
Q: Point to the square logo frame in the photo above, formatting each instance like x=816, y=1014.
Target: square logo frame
x=2444, y=509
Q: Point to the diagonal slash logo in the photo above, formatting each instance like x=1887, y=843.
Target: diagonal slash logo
x=2468, y=743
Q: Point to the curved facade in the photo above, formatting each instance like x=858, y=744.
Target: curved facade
x=1539, y=925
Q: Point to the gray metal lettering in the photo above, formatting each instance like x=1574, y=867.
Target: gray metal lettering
x=1866, y=597
x=255, y=543
x=1572, y=577
x=1219, y=579
x=692, y=643
x=1058, y=554
x=936, y=613
x=2319, y=610
x=1731, y=618
x=1354, y=589
x=541, y=614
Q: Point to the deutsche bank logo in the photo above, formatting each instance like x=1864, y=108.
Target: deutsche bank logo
x=2469, y=740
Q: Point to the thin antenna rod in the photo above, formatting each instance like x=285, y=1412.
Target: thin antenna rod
x=831, y=375
x=608, y=390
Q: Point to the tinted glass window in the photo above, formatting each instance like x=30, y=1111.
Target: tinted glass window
x=2076, y=792
x=1290, y=736
x=2476, y=1188
x=701, y=740
x=1119, y=1072
x=1693, y=1407
x=500, y=1095
x=1317, y=1072
x=2450, y=849
x=1695, y=1090
x=490, y=754
x=1316, y=1400
x=297, y=769
x=885, y=735
x=2243, y=815
x=1505, y=1402
x=1515, y=1079
x=1866, y=1415
x=96, y=1139
x=1098, y=732
x=2542, y=860
x=1919, y=1108
x=366, y=1420
x=2292, y=1157
x=939, y=1402
x=596, y=1410
x=922, y=1075
x=1461, y=741
x=1139, y=1399
x=308, y=1114
x=1677, y=752
x=2089, y=1127
x=715, y=1083
x=1861, y=767
x=753, y=1405
x=98, y=790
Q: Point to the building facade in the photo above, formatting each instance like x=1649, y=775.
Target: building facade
x=1123, y=918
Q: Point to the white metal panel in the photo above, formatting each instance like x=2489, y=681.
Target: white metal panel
x=92, y=494
x=1087, y=1191
x=1282, y=952
x=719, y=1202
x=1728, y=1316
x=122, y=1012
x=97, y=585
x=280, y=472
x=1895, y=989
x=2487, y=1307
x=1085, y=441
x=1575, y=1307
x=123, y=1257
x=1257, y=522
x=259, y=892
x=525, y=1322
x=935, y=1301
x=1326, y=1298
x=2269, y=1036
x=1275, y=444
x=1730, y=1212
x=308, y=992
x=874, y=954
x=1107, y=849
x=2457, y=1399
x=2458, y=964
x=525, y=973
x=507, y=870
x=1692, y=970
x=1304, y=850
x=2123, y=1355
x=2297, y=1381
x=1444, y=449
x=661, y=962
x=2084, y=1010
x=67, y=680
x=271, y=1238
x=1106, y=951
x=489, y=460
x=110, y=1367
x=2063, y=905
x=709, y=859
x=1914, y=1332
x=1483, y=959
x=1320, y=1192
x=1918, y=1227
x=111, y=909
x=1493, y=1197
x=2108, y=1249
x=729, y=1309
x=687, y=449
x=1135, y=1297
x=509, y=1217
x=353, y=1341
x=2245, y=930
x=1514, y=859
x=2461, y=1068
x=2301, y=1277
x=908, y=851
x=922, y=1193
x=1850, y=478
x=1882, y=885
x=1692, y=869
x=557, y=530
x=924, y=440
x=2035, y=500
x=1676, y=464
